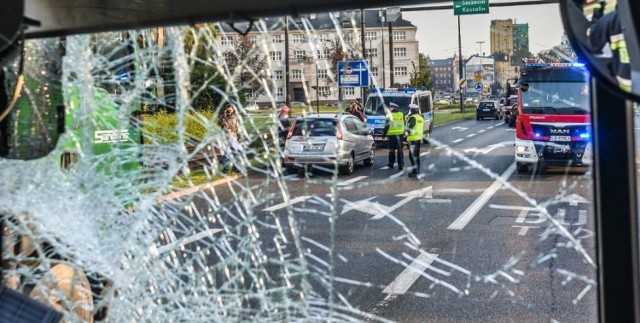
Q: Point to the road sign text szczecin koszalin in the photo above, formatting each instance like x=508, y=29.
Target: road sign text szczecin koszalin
x=470, y=7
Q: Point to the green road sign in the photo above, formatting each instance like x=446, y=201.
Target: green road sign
x=470, y=7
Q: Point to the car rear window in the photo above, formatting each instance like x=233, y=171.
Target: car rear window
x=486, y=104
x=315, y=127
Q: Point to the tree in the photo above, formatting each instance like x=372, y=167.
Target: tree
x=421, y=76
x=246, y=66
x=204, y=76
x=496, y=87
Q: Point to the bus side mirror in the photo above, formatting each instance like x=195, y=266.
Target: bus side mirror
x=507, y=90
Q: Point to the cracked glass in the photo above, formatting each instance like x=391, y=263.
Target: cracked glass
x=240, y=172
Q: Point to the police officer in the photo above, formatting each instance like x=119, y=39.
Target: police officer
x=394, y=129
x=414, y=133
x=607, y=29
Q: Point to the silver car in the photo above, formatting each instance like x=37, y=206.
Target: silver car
x=329, y=140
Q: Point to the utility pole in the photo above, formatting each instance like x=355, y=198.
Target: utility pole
x=382, y=18
x=480, y=43
x=460, y=66
x=364, y=51
x=390, y=54
x=286, y=61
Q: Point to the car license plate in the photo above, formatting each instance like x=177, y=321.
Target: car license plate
x=560, y=138
x=313, y=148
x=564, y=149
x=486, y=110
x=381, y=138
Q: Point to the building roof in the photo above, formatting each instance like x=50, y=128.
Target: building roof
x=441, y=62
x=322, y=21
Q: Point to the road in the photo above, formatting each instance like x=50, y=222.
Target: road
x=471, y=240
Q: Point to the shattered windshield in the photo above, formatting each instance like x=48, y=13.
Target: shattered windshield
x=172, y=196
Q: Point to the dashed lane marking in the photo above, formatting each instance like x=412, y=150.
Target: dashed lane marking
x=457, y=140
x=471, y=135
x=410, y=274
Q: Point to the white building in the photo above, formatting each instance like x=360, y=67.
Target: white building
x=309, y=50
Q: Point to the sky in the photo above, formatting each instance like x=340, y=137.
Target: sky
x=438, y=29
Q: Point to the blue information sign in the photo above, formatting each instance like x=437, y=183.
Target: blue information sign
x=479, y=87
x=353, y=74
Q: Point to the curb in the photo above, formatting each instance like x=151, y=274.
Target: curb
x=187, y=191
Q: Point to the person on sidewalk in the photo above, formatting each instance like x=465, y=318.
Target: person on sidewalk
x=230, y=125
x=394, y=129
x=414, y=133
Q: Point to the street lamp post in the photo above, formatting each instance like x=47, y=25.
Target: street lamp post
x=317, y=90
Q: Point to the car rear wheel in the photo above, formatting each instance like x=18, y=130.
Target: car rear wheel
x=292, y=169
x=348, y=168
x=369, y=161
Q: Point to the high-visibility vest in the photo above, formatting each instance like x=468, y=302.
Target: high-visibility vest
x=415, y=133
x=397, y=124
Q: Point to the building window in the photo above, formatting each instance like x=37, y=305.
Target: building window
x=324, y=90
x=276, y=56
x=323, y=38
x=349, y=91
x=322, y=73
x=227, y=40
x=372, y=52
x=276, y=39
x=400, y=52
x=299, y=39
x=253, y=39
x=399, y=35
x=323, y=54
x=400, y=71
x=374, y=71
x=279, y=92
x=296, y=74
x=370, y=35
x=277, y=75
x=299, y=54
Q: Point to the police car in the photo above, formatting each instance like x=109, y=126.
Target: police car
x=377, y=107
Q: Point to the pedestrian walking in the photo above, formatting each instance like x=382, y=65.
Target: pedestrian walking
x=394, y=129
x=231, y=126
x=414, y=134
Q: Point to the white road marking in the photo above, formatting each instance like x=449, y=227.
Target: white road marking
x=442, y=147
x=522, y=216
x=489, y=128
x=459, y=128
x=457, y=140
x=524, y=229
x=424, y=154
x=512, y=207
x=285, y=204
x=489, y=148
x=410, y=274
x=351, y=181
x=193, y=238
x=471, y=135
x=475, y=207
x=481, y=131
x=426, y=192
x=385, y=167
x=574, y=199
x=582, y=217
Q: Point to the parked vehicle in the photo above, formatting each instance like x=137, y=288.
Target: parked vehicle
x=489, y=109
x=511, y=115
x=374, y=109
x=330, y=140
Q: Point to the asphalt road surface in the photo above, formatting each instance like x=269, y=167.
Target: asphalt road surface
x=471, y=240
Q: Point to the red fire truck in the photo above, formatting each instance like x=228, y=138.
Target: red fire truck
x=553, y=124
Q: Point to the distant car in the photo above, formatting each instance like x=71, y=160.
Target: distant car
x=295, y=104
x=252, y=107
x=329, y=140
x=488, y=109
x=442, y=101
x=511, y=115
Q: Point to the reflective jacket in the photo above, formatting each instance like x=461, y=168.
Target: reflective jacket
x=415, y=127
x=608, y=30
x=396, y=124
